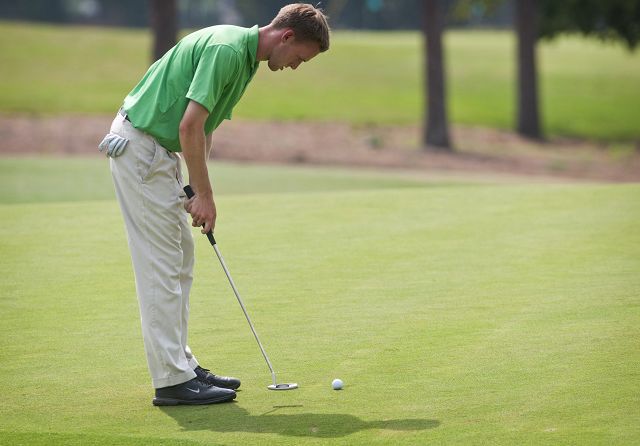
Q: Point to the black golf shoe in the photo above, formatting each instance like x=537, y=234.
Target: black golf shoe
x=226, y=382
x=192, y=392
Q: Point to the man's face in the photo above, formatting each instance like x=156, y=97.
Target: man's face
x=291, y=53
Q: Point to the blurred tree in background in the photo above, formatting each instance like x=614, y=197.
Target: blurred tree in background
x=436, y=127
x=344, y=14
x=617, y=20
x=131, y=13
x=38, y=10
x=164, y=22
x=528, y=112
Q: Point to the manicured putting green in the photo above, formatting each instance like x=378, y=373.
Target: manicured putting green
x=477, y=314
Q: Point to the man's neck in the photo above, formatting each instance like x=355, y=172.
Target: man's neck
x=268, y=37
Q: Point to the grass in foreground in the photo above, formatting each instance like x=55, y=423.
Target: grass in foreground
x=455, y=315
x=587, y=88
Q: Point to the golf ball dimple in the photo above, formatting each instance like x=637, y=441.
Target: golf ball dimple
x=337, y=384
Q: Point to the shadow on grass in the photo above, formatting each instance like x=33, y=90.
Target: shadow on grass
x=233, y=418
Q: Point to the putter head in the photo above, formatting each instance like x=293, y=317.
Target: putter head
x=288, y=386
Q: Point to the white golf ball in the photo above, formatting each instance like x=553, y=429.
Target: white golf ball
x=337, y=384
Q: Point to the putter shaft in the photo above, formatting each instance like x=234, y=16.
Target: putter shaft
x=244, y=310
x=189, y=192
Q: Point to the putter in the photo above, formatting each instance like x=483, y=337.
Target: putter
x=212, y=240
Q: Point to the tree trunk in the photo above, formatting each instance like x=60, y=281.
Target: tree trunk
x=436, y=130
x=164, y=22
x=527, y=30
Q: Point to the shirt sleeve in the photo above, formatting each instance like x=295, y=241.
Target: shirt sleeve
x=217, y=67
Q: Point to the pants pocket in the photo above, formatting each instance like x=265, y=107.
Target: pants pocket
x=149, y=165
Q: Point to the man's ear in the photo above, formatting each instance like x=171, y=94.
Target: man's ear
x=287, y=34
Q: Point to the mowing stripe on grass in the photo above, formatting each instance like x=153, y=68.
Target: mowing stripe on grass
x=49, y=179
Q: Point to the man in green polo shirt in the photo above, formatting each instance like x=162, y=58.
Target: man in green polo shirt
x=176, y=106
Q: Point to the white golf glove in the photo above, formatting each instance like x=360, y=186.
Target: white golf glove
x=113, y=145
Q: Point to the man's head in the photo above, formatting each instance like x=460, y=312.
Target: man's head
x=302, y=32
x=306, y=21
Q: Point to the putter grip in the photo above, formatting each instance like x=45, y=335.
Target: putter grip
x=187, y=190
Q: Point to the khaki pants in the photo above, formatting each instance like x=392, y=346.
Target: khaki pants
x=148, y=184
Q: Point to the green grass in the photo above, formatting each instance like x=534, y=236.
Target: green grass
x=587, y=88
x=464, y=314
x=47, y=179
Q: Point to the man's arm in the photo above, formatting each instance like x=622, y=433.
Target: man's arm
x=195, y=148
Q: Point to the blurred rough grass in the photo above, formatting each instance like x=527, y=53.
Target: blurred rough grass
x=588, y=88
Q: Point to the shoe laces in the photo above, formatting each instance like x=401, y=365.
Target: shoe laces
x=207, y=371
x=204, y=382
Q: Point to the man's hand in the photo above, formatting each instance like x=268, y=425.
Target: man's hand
x=203, y=212
x=193, y=141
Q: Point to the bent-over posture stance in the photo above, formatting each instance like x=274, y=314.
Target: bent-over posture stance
x=176, y=106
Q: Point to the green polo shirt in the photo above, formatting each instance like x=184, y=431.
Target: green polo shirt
x=212, y=66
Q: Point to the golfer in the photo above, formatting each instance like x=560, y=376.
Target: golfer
x=176, y=106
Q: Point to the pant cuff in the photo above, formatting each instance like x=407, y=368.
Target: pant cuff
x=174, y=380
x=193, y=363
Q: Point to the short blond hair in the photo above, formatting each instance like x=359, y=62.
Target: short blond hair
x=307, y=22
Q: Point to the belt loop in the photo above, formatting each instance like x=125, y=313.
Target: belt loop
x=123, y=113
